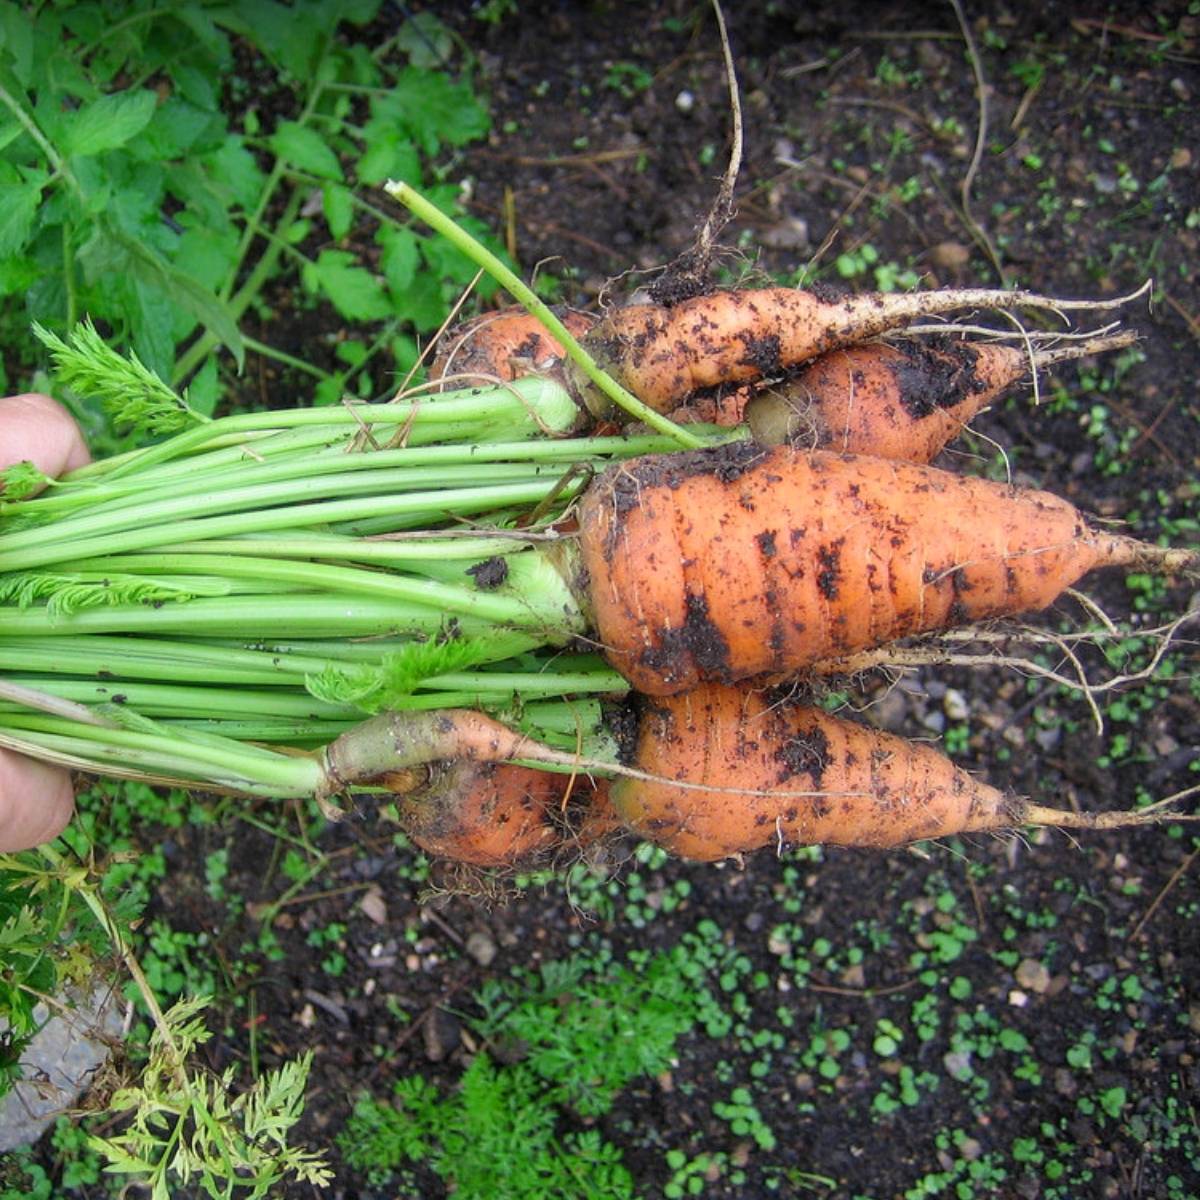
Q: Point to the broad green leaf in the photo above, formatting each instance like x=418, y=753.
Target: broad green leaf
x=426, y=41
x=338, y=203
x=405, y=353
x=205, y=390
x=18, y=207
x=297, y=231
x=235, y=174
x=357, y=12
x=352, y=352
x=207, y=255
x=186, y=292
x=189, y=182
x=329, y=391
x=17, y=275
x=176, y=127
x=436, y=109
x=422, y=303
x=304, y=148
x=107, y=123
x=101, y=255
x=388, y=156
x=197, y=86
x=137, y=195
x=290, y=37
x=354, y=291
x=10, y=130
x=203, y=29
x=400, y=256
x=16, y=40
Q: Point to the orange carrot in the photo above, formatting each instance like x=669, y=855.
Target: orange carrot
x=503, y=345
x=458, y=793
x=663, y=355
x=783, y=774
x=487, y=814
x=745, y=561
x=744, y=769
x=904, y=399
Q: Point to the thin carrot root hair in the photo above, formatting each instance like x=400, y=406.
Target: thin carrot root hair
x=996, y=644
x=662, y=355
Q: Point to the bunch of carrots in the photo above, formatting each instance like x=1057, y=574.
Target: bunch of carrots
x=527, y=623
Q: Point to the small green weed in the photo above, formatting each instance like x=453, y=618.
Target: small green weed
x=584, y=1028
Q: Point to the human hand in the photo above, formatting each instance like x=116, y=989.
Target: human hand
x=36, y=799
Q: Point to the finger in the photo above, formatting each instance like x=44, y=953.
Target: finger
x=36, y=801
x=37, y=428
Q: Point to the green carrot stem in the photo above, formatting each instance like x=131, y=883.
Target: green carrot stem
x=532, y=595
x=106, y=657
x=285, y=616
x=411, y=505
x=276, y=731
x=534, y=404
x=206, y=757
x=170, y=700
x=403, y=549
x=213, y=501
x=311, y=455
x=479, y=254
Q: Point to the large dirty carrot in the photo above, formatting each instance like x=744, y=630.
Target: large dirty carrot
x=662, y=355
x=743, y=769
x=748, y=561
x=905, y=399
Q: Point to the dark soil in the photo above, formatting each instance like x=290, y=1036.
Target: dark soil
x=1044, y=988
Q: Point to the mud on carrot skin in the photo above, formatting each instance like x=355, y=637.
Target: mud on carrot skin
x=775, y=772
x=904, y=399
x=663, y=355
x=746, y=562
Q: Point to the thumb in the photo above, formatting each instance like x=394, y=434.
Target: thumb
x=37, y=428
x=36, y=801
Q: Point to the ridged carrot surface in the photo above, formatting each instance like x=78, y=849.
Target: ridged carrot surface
x=747, y=561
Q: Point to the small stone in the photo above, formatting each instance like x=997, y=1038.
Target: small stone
x=1181, y=159
x=1032, y=975
x=441, y=1034
x=854, y=977
x=789, y=233
x=374, y=906
x=949, y=256
x=930, y=58
x=958, y=1063
x=481, y=947
x=955, y=705
x=1194, y=1018
x=685, y=102
x=1017, y=998
x=1180, y=90
x=1065, y=1083
x=1047, y=739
